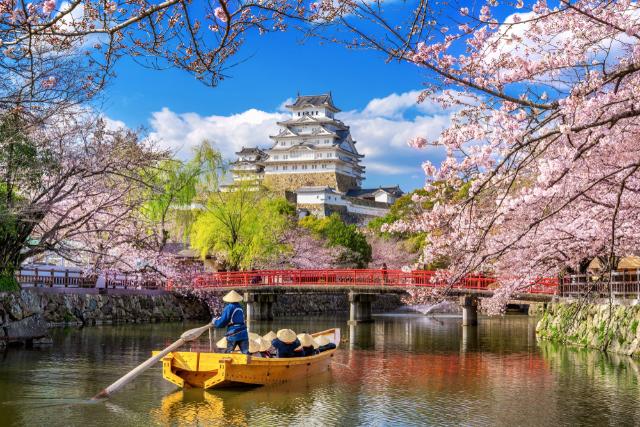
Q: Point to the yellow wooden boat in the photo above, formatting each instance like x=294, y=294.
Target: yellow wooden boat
x=216, y=370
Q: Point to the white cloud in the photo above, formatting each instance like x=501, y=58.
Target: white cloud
x=181, y=132
x=381, y=130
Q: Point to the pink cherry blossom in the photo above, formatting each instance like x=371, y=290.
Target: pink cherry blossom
x=48, y=6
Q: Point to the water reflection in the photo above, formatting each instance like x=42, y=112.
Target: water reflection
x=399, y=370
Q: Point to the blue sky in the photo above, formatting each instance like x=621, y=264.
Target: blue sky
x=378, y=100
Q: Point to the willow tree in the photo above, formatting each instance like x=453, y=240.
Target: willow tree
x=243, y=226
x=172, y=188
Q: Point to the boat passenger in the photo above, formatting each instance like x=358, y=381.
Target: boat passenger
x=222, y=344
x=269, y=337
x=287, y=344
x=324, y=344
x=254, y=348
x=265, y=348
x=309, y=345
x=233, y=319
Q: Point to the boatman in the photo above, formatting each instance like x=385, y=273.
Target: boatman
x=233, y=319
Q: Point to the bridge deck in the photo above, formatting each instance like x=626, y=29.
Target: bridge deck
x=363, y=281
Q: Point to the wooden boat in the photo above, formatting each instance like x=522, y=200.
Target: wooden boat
x=216, y=370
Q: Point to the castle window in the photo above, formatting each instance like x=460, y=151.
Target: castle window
x=284, y=168
x=285, y=156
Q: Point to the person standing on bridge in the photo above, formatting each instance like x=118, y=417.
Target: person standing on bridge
x=232, y=318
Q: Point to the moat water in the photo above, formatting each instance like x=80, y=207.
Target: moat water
x=401, y=370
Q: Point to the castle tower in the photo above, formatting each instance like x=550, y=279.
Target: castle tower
x=313, y=149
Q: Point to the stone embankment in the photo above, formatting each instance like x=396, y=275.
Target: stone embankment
x=600, y=326
x=25, y=316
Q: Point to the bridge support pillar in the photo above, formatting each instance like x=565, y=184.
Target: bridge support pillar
x=469, y=310
x=360, y=307
x=259, y=306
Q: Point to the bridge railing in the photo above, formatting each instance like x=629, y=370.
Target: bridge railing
x=622, y=284
x=353, y=278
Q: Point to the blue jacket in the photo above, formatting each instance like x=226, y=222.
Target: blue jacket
x=286, y=350
x=233, y=318
x=309, y=351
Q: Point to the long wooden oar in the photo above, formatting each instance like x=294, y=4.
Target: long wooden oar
x=190, y=335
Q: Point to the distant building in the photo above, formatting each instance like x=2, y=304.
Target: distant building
x=314, y=159
x=249, y=167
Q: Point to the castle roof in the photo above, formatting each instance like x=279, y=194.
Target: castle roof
x=314, y=101
x=250, y=150
x=371, y=192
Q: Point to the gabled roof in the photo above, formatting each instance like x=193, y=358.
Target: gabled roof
x=315, y=189
x=364, y=192
x=250, y=150
x=313, y=120
x=303, y=101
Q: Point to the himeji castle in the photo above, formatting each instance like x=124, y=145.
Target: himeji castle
x=314, y=160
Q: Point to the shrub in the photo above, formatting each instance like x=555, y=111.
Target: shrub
x=337, y=233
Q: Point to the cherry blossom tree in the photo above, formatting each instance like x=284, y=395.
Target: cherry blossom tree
x=545, y=133
x=43, y=44
x=303, y=251
x=72, y=188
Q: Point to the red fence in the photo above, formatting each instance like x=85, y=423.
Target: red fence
x=354, y=278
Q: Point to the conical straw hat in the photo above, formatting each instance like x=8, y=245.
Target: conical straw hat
x=232, y=296
x=264, y=344
x=270, y=336
x=254, y=336
x=323, y=340
x=307, y=341
x=222, y=343
x=254, y=346
x=287, y=336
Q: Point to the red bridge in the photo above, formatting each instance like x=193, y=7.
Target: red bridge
x=262, y=287
x=345, y=279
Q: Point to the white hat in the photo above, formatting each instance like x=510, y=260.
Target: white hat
x=307, y=341
x=323, y=340
x=270, y=336
x=264, y=344
x=287, y=336
x=254, y=336
x=222, y=343
x=232, y=296
x=254, y=346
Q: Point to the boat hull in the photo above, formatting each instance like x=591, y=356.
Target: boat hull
x=217, y=370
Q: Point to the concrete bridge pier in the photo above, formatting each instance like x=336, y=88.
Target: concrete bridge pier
x=469, y=305
x=360, y=307
x=259, y=306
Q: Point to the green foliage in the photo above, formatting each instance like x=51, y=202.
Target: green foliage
x=337, y=233
x=8, y=282
x=243, y=226
x=173, y=186
x=634, y=326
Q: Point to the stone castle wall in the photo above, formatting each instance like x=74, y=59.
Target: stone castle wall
x=293, y=181
x=613, y=329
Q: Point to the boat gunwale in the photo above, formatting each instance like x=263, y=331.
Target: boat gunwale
x=239, y=359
